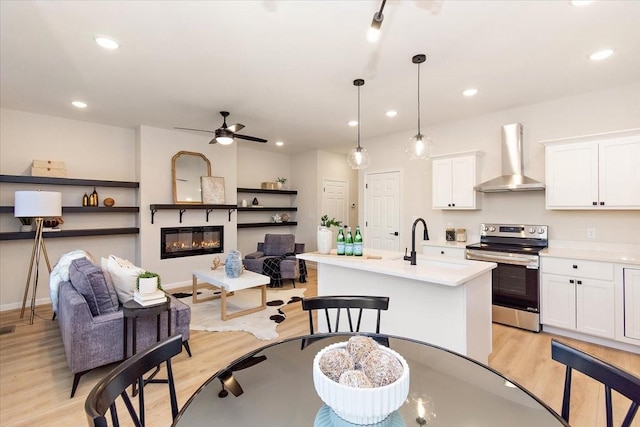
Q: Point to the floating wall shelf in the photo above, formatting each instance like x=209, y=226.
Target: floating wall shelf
x=183, y=207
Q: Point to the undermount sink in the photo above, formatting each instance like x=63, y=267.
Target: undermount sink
x=428, y=262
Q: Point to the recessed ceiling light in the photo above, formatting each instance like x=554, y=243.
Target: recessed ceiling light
x=353, y=123
x=107, y=42
x=470, y=92
x=600, y=55
x=279, y=143
x=391, y=113
x=79, y=104
x=581, y=2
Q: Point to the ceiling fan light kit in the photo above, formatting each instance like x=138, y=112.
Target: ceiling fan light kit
x=225, y=135
x=358, y=157
x=419, y=146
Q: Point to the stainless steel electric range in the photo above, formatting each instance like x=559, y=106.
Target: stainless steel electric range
x=516, y=280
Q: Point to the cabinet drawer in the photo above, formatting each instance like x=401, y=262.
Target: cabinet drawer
x=443, y=252
x=578, y=268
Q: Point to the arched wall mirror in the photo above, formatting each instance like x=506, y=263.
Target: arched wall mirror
x=186, y=169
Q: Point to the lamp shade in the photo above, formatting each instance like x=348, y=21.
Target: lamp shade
x=37, y=204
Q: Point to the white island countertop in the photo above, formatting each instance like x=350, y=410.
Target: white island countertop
x=452, y=272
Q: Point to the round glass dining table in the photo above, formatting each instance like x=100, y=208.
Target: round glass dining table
x=273, y=386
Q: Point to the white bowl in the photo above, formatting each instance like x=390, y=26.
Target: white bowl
x=361, y=405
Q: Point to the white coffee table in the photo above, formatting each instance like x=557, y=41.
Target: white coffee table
x=218, y=279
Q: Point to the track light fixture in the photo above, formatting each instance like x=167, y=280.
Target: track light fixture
x=358, y=157
x=374, y=31
x=419, y=146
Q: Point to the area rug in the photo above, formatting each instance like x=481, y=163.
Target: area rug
x=205, y=316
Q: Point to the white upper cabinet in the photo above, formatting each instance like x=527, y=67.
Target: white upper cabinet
x=454, y=176
x=602, y=172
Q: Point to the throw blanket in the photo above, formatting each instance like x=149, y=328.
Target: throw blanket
x=60, y=273
x=271, y=268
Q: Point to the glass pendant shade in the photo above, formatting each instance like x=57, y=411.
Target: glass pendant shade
x=359, y=158
x=419, y=147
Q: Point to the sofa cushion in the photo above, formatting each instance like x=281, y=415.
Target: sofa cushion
x=89, y=281
x=123, y=274
x=107, y=277
x=278, y=244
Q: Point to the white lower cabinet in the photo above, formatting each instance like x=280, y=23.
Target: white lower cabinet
x=583, y=301
x=632, y=303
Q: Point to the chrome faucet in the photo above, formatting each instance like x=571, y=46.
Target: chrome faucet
x=412, y=257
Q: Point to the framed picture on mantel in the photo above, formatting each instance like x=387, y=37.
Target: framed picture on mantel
x=213, y=190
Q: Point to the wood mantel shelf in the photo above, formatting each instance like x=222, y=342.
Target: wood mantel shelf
x=182, y=207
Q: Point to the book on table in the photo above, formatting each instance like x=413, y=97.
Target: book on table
x=157, y=297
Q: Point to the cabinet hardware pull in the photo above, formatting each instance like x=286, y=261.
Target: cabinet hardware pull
x=579, y=282
x=595, y=203
x=571, y=281
x=601, y=203
x=575, y=266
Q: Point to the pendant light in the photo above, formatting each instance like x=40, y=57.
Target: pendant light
x=373, y=35
x=419, y=146
x=358, y=157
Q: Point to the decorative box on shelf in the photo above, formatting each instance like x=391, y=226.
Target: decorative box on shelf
x=269, y=186
x=48, y=168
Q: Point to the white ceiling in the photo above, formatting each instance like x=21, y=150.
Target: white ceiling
x=285, y=69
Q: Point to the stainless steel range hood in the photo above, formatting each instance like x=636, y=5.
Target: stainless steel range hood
x=512, y=178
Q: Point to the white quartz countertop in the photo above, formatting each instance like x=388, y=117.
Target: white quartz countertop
x=445, y=244
x=620, y=257
x=449, y=272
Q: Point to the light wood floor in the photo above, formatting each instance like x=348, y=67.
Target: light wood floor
x=35, y=381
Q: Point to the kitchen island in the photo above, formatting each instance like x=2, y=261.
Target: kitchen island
x=441, y=302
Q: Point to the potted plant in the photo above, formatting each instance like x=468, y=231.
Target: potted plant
x=281, y=182
x=148, y=282
x=325, y=236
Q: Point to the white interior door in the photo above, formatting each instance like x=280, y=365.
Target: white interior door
x=382, y=211
x=335, y=199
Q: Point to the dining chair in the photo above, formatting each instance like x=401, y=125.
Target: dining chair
x=103, y=396
x=346, y=303
x=612, y=377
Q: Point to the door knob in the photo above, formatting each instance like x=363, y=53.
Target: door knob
x=395, y=233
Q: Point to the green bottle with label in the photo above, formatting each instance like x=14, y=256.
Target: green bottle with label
x=348, y=243
x=357, y=242
x=341, y=243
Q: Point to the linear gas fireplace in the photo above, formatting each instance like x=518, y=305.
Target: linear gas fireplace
x=191, y=241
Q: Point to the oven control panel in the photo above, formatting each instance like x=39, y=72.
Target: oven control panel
x=514, y=230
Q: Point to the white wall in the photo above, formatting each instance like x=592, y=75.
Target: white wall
x=603, y=111
x=256, y=166
x=157, y=148
x=90, y=151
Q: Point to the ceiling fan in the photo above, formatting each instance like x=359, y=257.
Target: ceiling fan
x=226, y=134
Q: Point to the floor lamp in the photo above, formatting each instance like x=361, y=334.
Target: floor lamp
x=37, y=205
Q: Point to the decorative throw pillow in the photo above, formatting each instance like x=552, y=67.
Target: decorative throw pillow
x=107, y=277
x=278, y=244
x=89, y=281
x=60, y=273
x=123, y=274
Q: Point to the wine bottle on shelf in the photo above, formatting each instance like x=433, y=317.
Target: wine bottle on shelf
x=341, y=243
x=93, y=199
x=348, y=243
x=357, y=242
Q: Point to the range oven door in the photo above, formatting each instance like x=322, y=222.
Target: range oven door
x=517, y=287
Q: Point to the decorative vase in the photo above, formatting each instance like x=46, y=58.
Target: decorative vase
x=279, y=185
x=233, y=265
x=325, y=239
x=147, y=285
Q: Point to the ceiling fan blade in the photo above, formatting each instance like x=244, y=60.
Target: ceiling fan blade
x=197, y=130
x=236, y=128
x=213, y=141
x=250, y=138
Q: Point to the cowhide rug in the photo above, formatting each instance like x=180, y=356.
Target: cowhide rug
x=205, y=316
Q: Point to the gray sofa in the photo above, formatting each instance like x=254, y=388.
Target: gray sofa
x=93, y=341
x=276, y=246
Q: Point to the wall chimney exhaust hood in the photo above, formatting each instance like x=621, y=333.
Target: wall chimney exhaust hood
x=512, y=178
